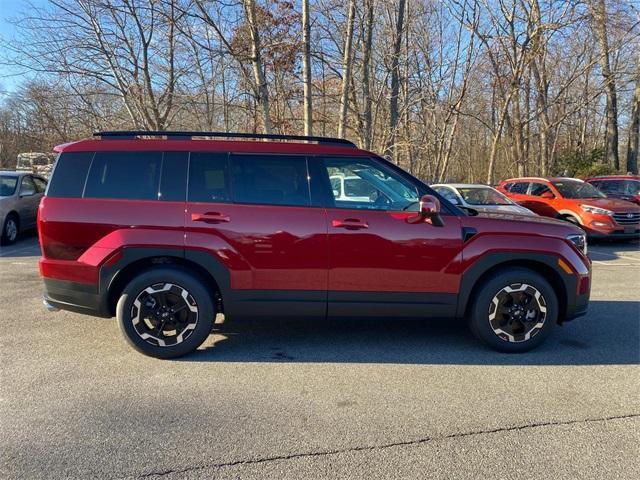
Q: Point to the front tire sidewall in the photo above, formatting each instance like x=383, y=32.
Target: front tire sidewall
x=187, y=281
x=479, y=318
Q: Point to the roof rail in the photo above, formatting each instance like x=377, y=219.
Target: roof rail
x=132, y=134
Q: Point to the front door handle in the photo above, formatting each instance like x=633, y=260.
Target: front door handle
x=210, y=217
x=350, y=224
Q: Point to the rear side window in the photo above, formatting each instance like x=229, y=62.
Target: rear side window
x=270, y=180
x=130, y=175
x=69, y=175
x=519, y=187
x=209, y=177
x=41, y=185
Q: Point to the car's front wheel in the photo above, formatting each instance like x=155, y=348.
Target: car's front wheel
x=165, y=312
x=514, y=310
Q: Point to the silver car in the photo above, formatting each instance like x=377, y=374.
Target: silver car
x=20, y=194
x=481, y=198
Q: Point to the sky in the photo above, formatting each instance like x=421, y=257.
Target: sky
x=11, y=78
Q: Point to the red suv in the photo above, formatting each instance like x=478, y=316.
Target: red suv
x=164, y=230
x=577, y=202
x=624, y=187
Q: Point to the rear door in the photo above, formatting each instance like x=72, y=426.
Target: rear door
x=380, y=263
x=29, y=198
x=254, y=214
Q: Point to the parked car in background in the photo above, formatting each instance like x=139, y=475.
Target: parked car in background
x=482, y=198
x=20, y=195
x=578, y=202
x=624, y=187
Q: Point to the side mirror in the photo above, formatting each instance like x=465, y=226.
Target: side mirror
x=429, y=211
x=27, y=192
x=429, y=206
x=547, y=195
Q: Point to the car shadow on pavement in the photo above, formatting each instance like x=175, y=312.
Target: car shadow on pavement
x=609, y=334
x=26, y=246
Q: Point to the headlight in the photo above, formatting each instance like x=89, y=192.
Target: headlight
x=580, y=241
x=592, y=209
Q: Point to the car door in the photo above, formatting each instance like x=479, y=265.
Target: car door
x=28, y=200
x=380, y=261
x=539, y=199
x=254, y=214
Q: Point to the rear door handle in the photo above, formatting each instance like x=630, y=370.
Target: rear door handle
x=210, y=217
x=349, y=224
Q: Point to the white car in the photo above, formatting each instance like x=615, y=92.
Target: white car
x=481, y=198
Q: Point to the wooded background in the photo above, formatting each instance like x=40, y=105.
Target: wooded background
x=465, y=90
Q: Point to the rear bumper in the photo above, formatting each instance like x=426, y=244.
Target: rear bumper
x=75, y=297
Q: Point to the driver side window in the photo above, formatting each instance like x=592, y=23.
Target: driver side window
x=362, y=183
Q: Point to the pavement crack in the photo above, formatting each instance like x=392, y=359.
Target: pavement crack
x=419, y=441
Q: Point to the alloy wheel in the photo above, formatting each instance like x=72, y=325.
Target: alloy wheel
x=164, y=314
x=517, y=312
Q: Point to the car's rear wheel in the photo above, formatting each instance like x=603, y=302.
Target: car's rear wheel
x=165, y=312
x=10, y=229
x=515, y=310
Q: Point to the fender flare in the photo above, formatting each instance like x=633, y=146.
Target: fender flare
x=490, y=261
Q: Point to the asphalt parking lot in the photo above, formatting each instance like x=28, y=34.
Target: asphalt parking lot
x=276, y=399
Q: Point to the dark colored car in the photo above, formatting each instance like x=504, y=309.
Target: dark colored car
x=167, y=230
x=577, y=202
x=624, y=187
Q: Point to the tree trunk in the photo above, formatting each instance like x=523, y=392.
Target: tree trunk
x=366, y=75
x=599, y=14
x=346, y=69
x=634, y=127
x=395, y=82
x=306, y=68
x=261, y=91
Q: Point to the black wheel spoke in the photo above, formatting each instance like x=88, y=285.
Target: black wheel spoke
x=162, y=309
x=517, y=312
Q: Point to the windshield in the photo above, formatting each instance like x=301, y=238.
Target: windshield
x=7, y=185
x=483, y=196
x=577, y=189
x=630, y=187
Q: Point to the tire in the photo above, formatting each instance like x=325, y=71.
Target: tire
x=10, y=229
x=165, y=312
x=527, y=324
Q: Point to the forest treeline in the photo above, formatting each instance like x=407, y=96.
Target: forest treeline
x=466, y=90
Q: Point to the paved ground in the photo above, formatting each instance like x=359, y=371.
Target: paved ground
x=295, y=400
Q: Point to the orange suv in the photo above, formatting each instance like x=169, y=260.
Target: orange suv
x=577, y=202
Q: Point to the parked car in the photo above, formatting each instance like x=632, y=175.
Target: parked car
x=577, y=202
x=166, y=232
x=624, y=187
x=20, y=195
x=481, y=198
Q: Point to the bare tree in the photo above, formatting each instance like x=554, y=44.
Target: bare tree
x=262, y=92
x=390, y=148
x=634, y=126
x=347, y=64
x=599, y=20
x=306, y=68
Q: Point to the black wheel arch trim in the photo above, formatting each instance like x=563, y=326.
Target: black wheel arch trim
x=536, y=261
